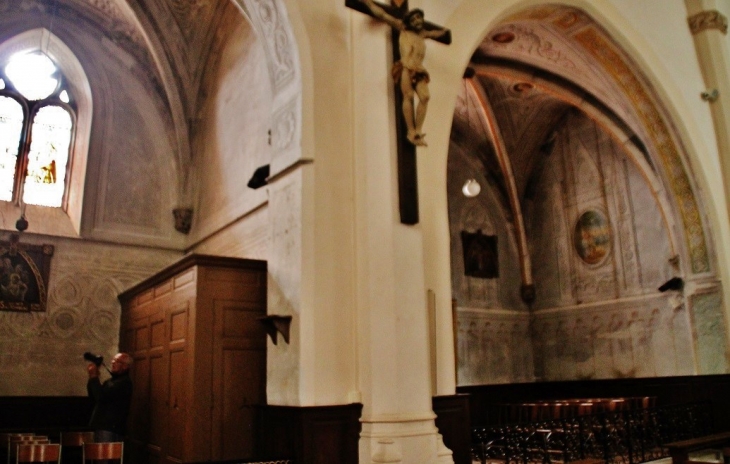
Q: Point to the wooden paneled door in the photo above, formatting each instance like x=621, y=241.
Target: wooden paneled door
x=239, y=356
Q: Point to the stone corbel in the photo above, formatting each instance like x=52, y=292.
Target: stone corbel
x=183, y=219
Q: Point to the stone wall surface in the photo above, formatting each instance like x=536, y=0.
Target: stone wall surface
x=41, y=352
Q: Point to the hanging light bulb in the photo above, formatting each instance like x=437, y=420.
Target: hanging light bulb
x=471, y=188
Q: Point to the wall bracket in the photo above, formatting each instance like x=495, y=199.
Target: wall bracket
x=274, y=324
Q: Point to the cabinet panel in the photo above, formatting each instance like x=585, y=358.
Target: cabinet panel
x=241, y=323
x=141, y=338
x=158, y=401
x=178, y=326
x=158, y=333
x=240, y=384
x=178, y=405
x=242, y=392
x=184, y=278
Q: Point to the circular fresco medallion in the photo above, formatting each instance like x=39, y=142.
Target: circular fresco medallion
x=592, y=237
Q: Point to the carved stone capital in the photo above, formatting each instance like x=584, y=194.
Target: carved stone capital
x=704, y=20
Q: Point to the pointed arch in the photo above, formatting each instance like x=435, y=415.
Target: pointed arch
x=66, y=220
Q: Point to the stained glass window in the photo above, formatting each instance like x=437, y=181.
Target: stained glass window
x=11, y=127
x=32, y=74
x=47, y=157
x=36, y=130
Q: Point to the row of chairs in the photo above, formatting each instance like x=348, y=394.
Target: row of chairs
x=17, y=448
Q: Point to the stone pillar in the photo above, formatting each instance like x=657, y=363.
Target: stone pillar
x=709, y=30
x=393, y=327
x=708, y=22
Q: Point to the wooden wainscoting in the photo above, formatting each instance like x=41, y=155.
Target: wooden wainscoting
x=311, y=435
x=44, y=413
x=452, y=420
x=485, y=400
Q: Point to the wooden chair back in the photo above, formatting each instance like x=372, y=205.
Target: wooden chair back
x=39, y=452
x=17, y=441
x=5, y=438
x=76, y=438
x=103, y=451
x=71, y=445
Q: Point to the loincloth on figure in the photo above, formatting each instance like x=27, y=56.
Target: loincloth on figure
x=420, y=75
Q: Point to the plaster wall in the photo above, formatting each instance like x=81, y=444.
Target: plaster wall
x=129, y=134
x=41, y=353
x=232, y=136
x=485, y=213
x=127, y=229
x=324, y=235
x=588, y=173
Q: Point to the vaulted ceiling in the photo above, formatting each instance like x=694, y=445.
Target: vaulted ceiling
x=525, y=76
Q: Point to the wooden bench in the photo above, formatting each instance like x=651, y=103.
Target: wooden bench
x=679, y=450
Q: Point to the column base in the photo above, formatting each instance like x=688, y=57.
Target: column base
x=402, y=439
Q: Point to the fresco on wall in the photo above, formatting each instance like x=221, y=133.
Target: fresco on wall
x=24, y=271
x=592, y=237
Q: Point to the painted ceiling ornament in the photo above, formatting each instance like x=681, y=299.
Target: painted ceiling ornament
x=705, y=20
x=285, y=126
x=271, y=24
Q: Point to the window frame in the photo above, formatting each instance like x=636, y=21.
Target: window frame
x=77, y=218
x=30, y=110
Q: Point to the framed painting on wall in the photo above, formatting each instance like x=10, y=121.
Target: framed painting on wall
x=24, y=274
x=480, y=255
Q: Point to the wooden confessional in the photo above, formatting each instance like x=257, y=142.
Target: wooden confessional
x=199, y=360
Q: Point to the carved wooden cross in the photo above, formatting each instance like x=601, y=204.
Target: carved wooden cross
x=407, y=170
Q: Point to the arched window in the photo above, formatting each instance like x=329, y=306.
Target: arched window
x=45, y=130
x=36, y=130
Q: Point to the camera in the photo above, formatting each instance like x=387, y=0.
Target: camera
x=93, y=358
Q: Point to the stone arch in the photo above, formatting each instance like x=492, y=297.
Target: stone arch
x=271, y=23
x=682, y=186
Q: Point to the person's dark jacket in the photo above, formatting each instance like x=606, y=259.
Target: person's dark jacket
x=111, y=402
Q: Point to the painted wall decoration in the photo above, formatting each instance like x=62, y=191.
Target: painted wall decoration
x=24, y=271
x=480, y=255
x=592, y=238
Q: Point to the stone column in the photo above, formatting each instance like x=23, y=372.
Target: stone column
x=709, y=30
x=393, y=327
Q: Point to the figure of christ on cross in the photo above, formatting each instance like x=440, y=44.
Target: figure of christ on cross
x=413, y=47
x=409, y=70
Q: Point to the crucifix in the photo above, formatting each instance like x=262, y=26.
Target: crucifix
x=411, y=79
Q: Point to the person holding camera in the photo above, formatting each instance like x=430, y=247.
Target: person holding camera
x=111, y=399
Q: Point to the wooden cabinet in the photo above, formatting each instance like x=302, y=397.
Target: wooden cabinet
x=199, y=353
